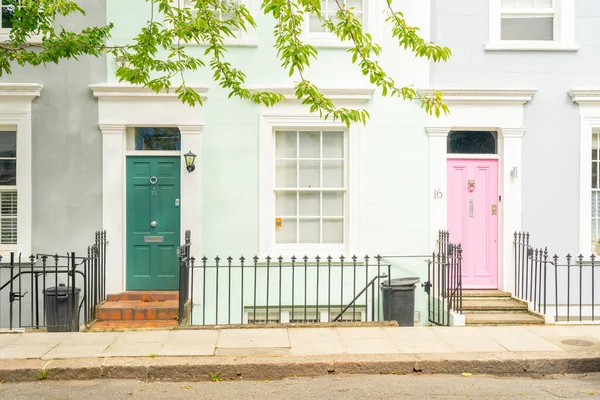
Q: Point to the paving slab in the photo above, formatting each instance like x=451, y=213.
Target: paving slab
x=63, y=351
x=42, y=338
x=409, y=334
x=362, y=333
x=142, y=337
x=143, y=349
x=428, y=346
x=253, y=338
x=12, y=351
x=91, y=338
x=474, y=345
x=370, y=346
x=575, y=343
x=6, y=338
x=463, y=332
x=315, y=341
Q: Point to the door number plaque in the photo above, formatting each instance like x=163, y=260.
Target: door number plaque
x=154, y=239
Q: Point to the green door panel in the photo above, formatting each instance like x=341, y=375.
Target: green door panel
x=151, y=263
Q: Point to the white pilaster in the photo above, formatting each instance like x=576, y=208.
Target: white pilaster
x=438, y=138
x=113, y=195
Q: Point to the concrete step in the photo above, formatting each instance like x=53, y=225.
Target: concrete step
x=469, y=293
x=144, y=296
x=515, y=318
x=493, y=305
x=138, y=310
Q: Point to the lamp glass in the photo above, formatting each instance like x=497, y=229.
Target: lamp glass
x=189, y=158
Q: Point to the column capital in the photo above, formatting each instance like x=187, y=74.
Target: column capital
x=437, y=131
x=513, y=132
x=115, y=129
x=191, y=129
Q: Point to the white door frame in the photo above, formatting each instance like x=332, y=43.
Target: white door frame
x=500, y=110
x=121, y=106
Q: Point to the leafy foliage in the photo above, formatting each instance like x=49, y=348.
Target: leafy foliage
x=157, y=56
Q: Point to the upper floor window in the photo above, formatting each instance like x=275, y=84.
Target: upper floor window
x=8, y=188
x=8, y=12
x=532, y=25
x=318, y=35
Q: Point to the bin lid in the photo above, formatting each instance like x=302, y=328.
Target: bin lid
x=60, y=290
x=409, y=281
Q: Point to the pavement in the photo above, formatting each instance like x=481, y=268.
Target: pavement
x=275, y=353
x=342, y=387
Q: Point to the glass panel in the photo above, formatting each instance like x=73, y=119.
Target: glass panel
x=285, y=146
x=509, y=3
x=472, y=142
x=9, y=231
x=8, y=203
x=310, y=144
x=287, y=233
x=356, y=4
x=543, y=3
x=333, y=144
x=333, y=204
x=528, y=28
x=309, y=174
x=8, y=144
x=8, y=172
x=309, y=231
x=594, y=175
x=8, y=12
x=333, y=231
x=285, y=203
x=333, y=174
x=315, y=24
x=310, y=204
x=286, y=174
x=157, y=139
x=525, y=3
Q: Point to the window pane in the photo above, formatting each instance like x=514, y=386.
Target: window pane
x=356, y=4
x=315, y=24
x=8, y=12
x=472, y=142
x=287, y=232
x=8, y=172
x=543, y=3
x=285, y=203
x=310, y=231
x=310, y=204
x=333, y=144
x=333, y=231
x=8, y=144
x=528, y=28
x=286, y=174
x=509, y=3
x=333, y=174
x=525, y=3
x=285, y=146
x=309, y=174
x=9, y=231
x=8, y=203
x=157, y=139
x=333, y=204
x=310, y=144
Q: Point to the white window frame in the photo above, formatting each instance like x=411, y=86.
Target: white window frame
x=247, y=38
x=15, y=114
x=9, y=188
x=564, y=29
x=5, y=34
x=338, y=248
x=371, y=9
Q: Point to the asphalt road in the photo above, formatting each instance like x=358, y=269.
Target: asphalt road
x=328, y=387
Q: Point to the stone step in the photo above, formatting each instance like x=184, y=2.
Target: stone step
x=138, y=310
x=495, y=305
x=470, y=293
x=144, y=296
x=120, y=326
x=516, y=318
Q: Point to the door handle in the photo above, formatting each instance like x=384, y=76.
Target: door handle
x=153, y=224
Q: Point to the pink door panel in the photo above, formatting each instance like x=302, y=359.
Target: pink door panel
x=473, y=219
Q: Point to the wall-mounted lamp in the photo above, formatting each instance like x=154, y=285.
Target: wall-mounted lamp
x=190, y=158
x=514, y=173
x=122, y=61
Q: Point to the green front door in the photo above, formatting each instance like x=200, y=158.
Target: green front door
x=153, y=187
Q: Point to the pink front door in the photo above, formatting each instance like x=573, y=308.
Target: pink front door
x=473, y=219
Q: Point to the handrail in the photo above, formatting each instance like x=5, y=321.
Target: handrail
x=358, y=296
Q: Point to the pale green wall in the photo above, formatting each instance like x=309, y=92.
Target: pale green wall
x=394, y=182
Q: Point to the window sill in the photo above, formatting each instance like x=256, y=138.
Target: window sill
x=230, y=42
x=328, y=43
x=530, y=46
x=5, y=36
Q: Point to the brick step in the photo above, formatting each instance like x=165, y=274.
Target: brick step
x=144, y=296
x=138, y=310
x=515, y=318
x=120, y=326
x=493, y=305
x=490, y=294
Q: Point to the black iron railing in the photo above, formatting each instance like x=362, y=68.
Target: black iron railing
x=293, y=290
x=565, y=285
x=444, y=281
x=57, y=292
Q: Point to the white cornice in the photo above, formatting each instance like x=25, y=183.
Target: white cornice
x=108, y=90
x=435, y=131
x=457, y=95
x=582, y=96
x=21, y=90
x=342, y=94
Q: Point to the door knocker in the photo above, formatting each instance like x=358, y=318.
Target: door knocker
x=153, y=180
x=471, y=185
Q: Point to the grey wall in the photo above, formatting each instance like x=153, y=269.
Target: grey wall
x=551, y=145
x=67, y=146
